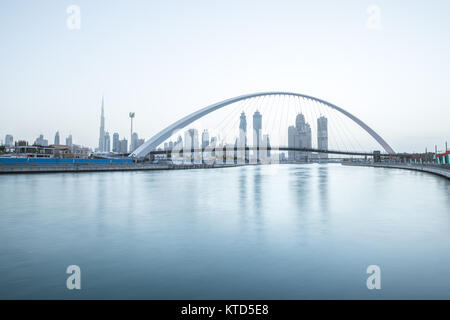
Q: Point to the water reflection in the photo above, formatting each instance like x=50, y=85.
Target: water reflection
x=243, y=191
x=323, y=191
x=301, y=187
x=239, y=233
x=257, y=193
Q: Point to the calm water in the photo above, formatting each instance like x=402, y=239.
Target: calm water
x=275, y=232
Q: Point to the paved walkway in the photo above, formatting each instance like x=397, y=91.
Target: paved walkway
x=28, y=168
x=435, y=169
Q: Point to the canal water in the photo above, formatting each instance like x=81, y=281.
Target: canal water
x=255, y=232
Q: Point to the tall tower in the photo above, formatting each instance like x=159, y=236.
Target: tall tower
x=242, y=143
x=107, y=142
x=299, y=136
x=116, y=142
x=190, y=142
x=101, y=139
x=243, y=122
x=205, y=139
x=57, y=138
x=69, y=140
x=322, y=135
x=257, y=126
x=132, y=147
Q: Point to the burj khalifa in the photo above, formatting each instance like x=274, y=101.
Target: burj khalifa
x=101, y=139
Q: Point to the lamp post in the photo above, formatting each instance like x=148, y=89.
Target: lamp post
x=131, y=114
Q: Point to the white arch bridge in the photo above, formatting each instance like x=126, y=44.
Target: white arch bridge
x=150, y=146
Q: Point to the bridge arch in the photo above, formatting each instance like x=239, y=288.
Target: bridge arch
x=164, y=134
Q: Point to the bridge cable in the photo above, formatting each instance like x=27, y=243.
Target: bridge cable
x=331, y=125
x=345, y=120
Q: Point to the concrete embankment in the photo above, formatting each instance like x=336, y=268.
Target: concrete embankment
x=26, y=168
x=441, y=170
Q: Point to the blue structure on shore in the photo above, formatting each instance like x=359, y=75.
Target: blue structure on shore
x=62, y=161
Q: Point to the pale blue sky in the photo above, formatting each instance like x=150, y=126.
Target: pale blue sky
x=166, y=59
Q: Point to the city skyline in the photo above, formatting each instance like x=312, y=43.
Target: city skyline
x=204, y=152
x=387, y=71
x=299, y=136
x=108, y=144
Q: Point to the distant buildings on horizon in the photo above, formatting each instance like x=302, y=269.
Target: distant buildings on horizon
x=299, y=136
x=105, y=145
x=117, y=145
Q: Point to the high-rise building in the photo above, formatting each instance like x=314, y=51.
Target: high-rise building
x=139, y=143
x=205, y=139
x=179, y=143
x=116, y=142
x=292, y=132
x=107, y=143
x=9, y=140
x=322, y=136
x=257, y=126
x=213, y=144
x=266, y=144
x=242, y=141
x=69, y=142
x=56, y=138
x=101, y=139
x=190, y=142
x=134, y=141
x=123, y=146
x=299, y=137
x=191, y=139
x=243, y=122
x=40, y=141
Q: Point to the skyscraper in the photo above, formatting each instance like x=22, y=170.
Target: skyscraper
x=134, y=141
x=9, y=140
x=179, y=143
x=322, y=136
x=191, y=139
x=116, y=142
x=205, y=139
x=266, y=144
x=107, y=143
x=56, y=137
x=242, y=142
x=257, y=126
x=40, y=141
x=124, y=146
x=213, y=145
x=139, y=143
x=190, y=142
x=292, y=132
x=299, y=137
x=243, y=122
x=101, y=139
x=69, y=141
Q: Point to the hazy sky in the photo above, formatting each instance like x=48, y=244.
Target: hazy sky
x=165, y=59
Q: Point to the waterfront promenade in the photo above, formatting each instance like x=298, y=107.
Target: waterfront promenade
x=441, y=170
x=32, y=168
